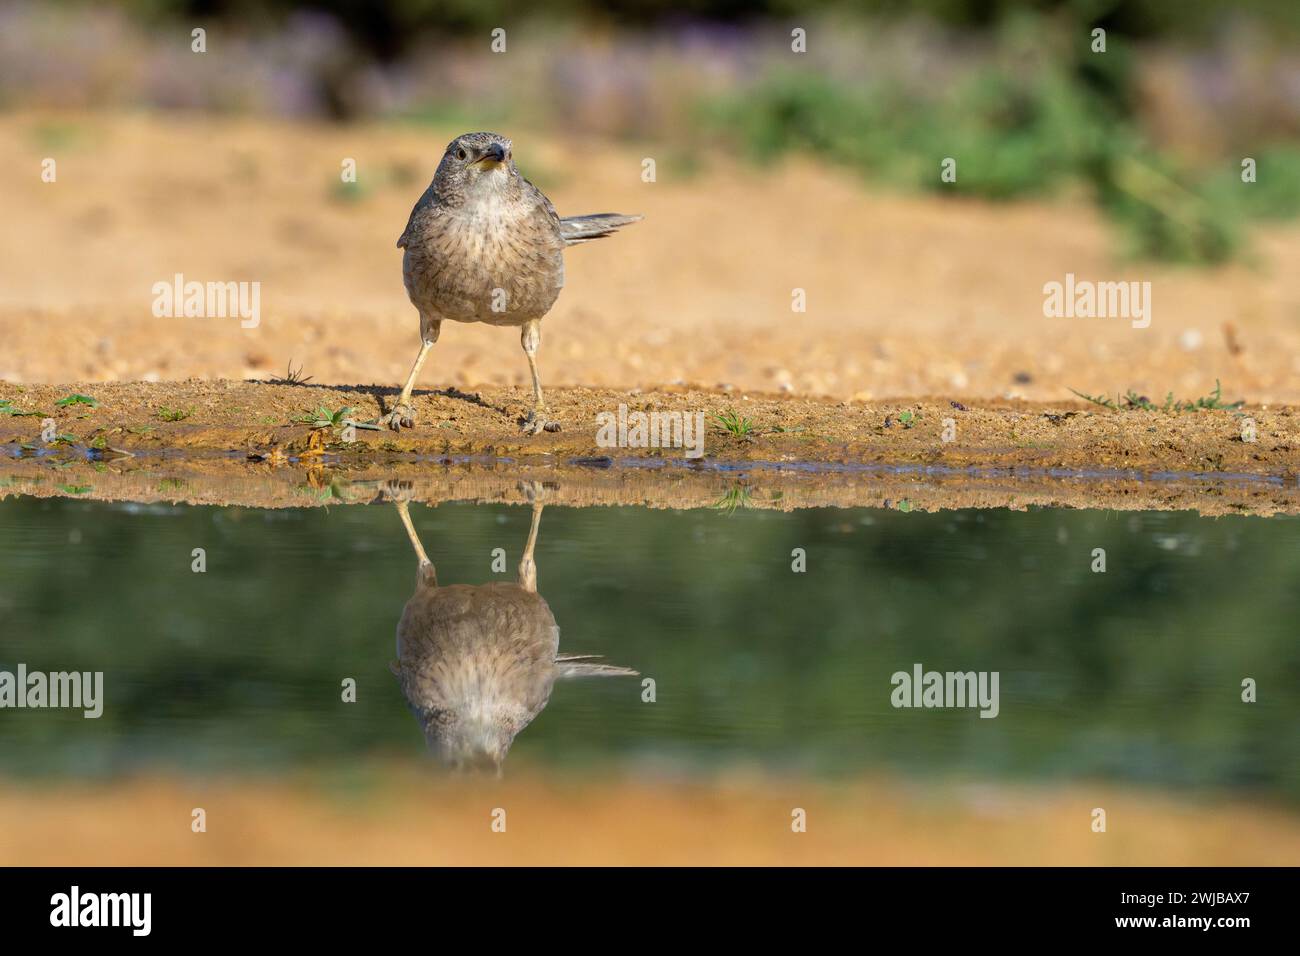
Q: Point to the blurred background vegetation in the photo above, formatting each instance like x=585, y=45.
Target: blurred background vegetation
x=1133, y=675
x=1153, y=131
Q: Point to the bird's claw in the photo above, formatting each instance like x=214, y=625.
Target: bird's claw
x=397, y=489
x=402, y=416
x=531, y=490
x=536, y=422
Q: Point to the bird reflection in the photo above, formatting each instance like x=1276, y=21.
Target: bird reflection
x=476, y=663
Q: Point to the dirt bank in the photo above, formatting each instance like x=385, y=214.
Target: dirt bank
x=248, y=443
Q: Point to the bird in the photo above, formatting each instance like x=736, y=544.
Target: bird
x=477, y=663
x=483, y=244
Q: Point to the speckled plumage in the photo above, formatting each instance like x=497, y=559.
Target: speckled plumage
x=483, y=244
x=476, y=664
x=468, y=237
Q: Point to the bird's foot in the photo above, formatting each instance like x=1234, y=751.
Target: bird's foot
x=396, y=489
x=536, y=422
x=402, y=416
x=533, y=491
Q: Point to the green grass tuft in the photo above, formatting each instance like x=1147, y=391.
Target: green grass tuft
x=1132, y=401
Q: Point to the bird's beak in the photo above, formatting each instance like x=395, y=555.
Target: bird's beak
x=493, y=156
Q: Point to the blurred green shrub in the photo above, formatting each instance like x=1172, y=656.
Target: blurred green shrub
x=1036, y=119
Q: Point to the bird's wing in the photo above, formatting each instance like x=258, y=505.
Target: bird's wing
x=545, y=210
x=424, y=202
x=576, y=229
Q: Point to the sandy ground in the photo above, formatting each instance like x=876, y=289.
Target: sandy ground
x=408, y=817
x=246, y=442
x=906, y=296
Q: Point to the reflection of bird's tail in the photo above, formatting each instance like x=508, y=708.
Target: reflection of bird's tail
x=576, y=229
x=589, y=665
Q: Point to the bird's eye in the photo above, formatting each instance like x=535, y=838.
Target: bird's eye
x=461, y=154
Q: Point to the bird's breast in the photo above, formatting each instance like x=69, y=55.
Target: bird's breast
x=485, y=263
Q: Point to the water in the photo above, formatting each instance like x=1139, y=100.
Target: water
x=1132, y=675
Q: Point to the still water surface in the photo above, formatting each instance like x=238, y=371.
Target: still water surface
x=1130, y=675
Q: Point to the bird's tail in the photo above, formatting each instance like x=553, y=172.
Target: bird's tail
x=576, y=229
x=588, y=665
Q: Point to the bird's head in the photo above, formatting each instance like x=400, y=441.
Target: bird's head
x=475, y=164
x=469, y=743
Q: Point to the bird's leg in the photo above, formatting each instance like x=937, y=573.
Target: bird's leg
x=425, y=572
x=528, y=567
x=531, y=339
x=403, y=414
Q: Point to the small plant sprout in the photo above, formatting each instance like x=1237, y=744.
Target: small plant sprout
x=735, y=498
x=8, y=409
x=735, y=424
x=77, y=400
x=292, y=376
x=324, y=418
x=907, y=419
x=175, y=414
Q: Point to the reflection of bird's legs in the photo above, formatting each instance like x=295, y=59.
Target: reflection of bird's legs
x=425, y=574
x=528, y=567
